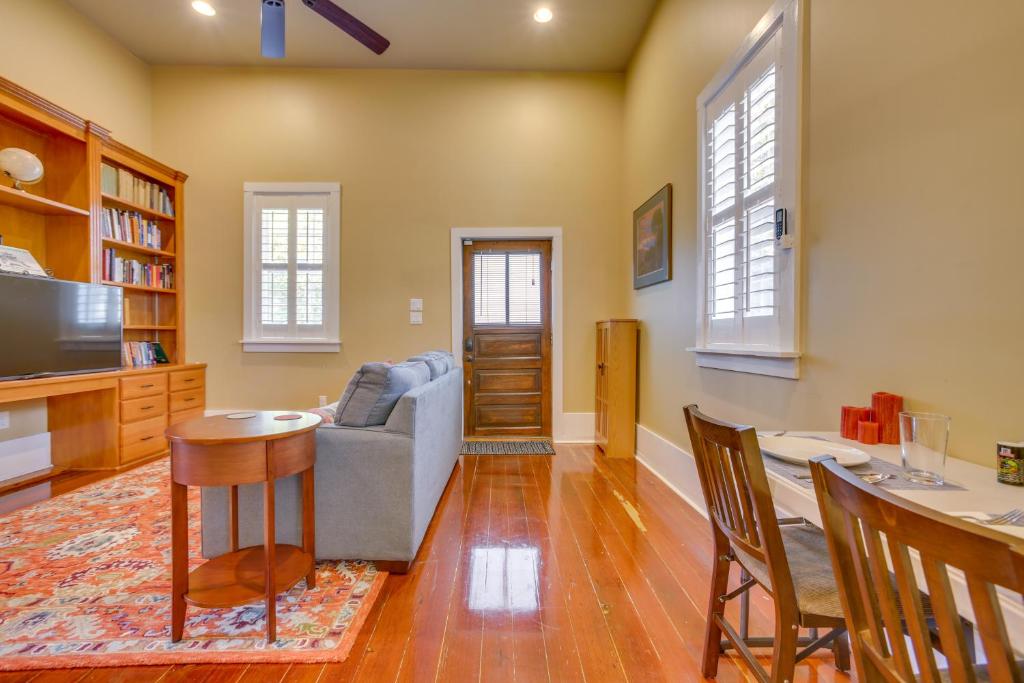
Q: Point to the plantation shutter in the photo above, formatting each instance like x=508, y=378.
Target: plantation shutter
x=740, y=196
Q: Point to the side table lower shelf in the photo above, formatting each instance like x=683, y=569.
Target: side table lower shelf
x=238, y=577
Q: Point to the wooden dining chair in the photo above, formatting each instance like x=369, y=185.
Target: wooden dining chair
x=787, y=558
x=874, y=537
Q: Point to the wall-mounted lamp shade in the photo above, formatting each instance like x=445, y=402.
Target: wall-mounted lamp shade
x=20, y=165
x=272, y=29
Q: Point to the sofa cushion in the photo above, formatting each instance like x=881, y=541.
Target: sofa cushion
x=374, y=390
x=435, y=360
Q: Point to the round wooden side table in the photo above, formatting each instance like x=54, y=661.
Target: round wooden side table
x=219, y=451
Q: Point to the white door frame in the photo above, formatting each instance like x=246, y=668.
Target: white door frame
x=553, y=234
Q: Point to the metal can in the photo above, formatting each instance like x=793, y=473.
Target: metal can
x=1010, y=462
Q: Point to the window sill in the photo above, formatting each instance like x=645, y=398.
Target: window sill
x=785, y=364
x=291, y=345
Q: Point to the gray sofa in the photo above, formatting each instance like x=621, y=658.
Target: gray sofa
x=376, y=487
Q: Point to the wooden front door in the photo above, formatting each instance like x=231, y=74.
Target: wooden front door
x=507, y=337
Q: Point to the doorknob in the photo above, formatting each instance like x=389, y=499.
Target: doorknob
x=469, y=359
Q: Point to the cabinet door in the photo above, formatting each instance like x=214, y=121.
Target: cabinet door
x=601, y=387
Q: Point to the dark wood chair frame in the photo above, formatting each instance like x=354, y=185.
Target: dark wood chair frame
x=742, y=514
x=864, y=524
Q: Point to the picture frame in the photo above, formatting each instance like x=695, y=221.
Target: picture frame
x=652, y=240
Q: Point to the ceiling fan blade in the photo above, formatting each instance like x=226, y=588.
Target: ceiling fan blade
x=349, y=24
x=272, y=28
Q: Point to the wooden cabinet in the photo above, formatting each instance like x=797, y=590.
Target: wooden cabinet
x=615, y=407
x=152, y=401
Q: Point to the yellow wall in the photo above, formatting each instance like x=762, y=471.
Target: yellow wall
x=416, y=153
x=913, y=237
x=51, y=49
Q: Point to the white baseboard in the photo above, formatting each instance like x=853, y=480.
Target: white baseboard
x=24, y=455
x=575, y=428
x=672, y=465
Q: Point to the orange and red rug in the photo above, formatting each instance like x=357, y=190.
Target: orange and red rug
x=85, y=581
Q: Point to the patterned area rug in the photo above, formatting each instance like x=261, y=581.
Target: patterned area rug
x=507, y=448
x=85, y=581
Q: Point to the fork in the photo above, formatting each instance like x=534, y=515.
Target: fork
x=1008, y=517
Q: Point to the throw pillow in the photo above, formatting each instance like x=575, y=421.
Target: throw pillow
x=374, y=390
x=437, y=363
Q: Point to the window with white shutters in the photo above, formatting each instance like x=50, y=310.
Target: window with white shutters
x=292, y=238
x=507, y=288
x=749, y=168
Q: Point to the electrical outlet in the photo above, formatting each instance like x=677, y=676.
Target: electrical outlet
x=415, y=317
x=415, y=304
x=322, y=401
x=5, y=419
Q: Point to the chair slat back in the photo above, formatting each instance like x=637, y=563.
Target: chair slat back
x=737, y=495
x=873, y=536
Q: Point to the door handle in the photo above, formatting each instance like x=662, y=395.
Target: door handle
x=468, y=344
x=469, y=359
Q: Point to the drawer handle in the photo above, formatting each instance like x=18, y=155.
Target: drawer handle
x=147, y=386
x=147, y=407
x=190, y=379
x=146, y=438
x=189, y=400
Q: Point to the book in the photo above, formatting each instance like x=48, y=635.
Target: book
x=140, y=354
x=108, y=179
x=131, y=272
x=20, y=262
x=123, y=184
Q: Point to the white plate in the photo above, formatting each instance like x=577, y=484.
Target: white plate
x=800, y=450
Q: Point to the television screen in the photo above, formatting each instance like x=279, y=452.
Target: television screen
x=56, y=327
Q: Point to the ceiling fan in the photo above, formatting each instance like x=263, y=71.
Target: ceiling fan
x=272, y=26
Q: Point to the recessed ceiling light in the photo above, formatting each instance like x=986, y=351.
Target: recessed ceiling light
x=203, y=8
x=543, y=15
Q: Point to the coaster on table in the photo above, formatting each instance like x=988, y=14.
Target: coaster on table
x=239, y=416
x=289, y=416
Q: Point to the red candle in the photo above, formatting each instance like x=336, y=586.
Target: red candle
x=850, y=416
x=867, y=432
x=887, y=409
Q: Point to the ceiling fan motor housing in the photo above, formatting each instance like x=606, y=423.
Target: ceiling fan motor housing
x=272, y=28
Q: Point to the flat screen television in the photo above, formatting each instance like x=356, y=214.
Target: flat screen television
x=57, y=327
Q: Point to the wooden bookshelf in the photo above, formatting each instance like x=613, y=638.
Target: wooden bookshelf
x=60, y=219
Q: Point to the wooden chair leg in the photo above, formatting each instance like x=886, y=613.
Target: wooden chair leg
x=713, y=632
x=841, y=651
x=784, y=650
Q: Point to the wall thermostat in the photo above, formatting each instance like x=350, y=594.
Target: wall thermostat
x=782, y=236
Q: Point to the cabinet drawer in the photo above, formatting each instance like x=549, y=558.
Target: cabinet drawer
x=187, y=400
x=143, y=408
x=182, y=415
x=143, y=438
x=143, y=385
x=187, y=379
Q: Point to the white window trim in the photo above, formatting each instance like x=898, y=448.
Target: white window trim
x=331, y=341
x=787, y=16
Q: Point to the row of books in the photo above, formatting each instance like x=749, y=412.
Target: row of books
x=137, y=354
x=132, y=272
x=123, y=184
x=130, y=226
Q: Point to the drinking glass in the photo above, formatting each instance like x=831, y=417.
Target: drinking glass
x=923, y=441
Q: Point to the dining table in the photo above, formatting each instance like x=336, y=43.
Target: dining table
x=972, y=488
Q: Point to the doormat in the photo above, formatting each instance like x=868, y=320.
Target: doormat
x=507, y=448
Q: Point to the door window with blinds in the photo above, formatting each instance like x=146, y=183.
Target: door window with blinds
x=749, y=170
x=292, y=242
x=507, y=288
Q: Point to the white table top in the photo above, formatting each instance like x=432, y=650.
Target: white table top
x=981, y=493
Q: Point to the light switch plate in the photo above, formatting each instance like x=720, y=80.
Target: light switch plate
x=415, y=317
x=415, y=304
x=5, y=419
x=322, y=401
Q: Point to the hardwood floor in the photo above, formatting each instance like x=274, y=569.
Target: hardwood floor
x=535, y=568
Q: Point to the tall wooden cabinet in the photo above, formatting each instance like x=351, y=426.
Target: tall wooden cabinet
x=615, y=422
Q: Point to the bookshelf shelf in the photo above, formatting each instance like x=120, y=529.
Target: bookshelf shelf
x=153, y=328
x=140, y=288
x=36, y=204
x=137, y=248
x=132, y=206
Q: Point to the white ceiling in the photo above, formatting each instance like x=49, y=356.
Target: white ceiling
x=585, y=35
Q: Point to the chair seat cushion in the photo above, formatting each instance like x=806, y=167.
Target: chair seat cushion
x=811, y=568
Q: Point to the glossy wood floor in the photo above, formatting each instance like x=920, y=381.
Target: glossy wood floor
x=535, y=568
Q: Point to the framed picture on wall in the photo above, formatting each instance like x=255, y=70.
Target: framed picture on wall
x=652, y=240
